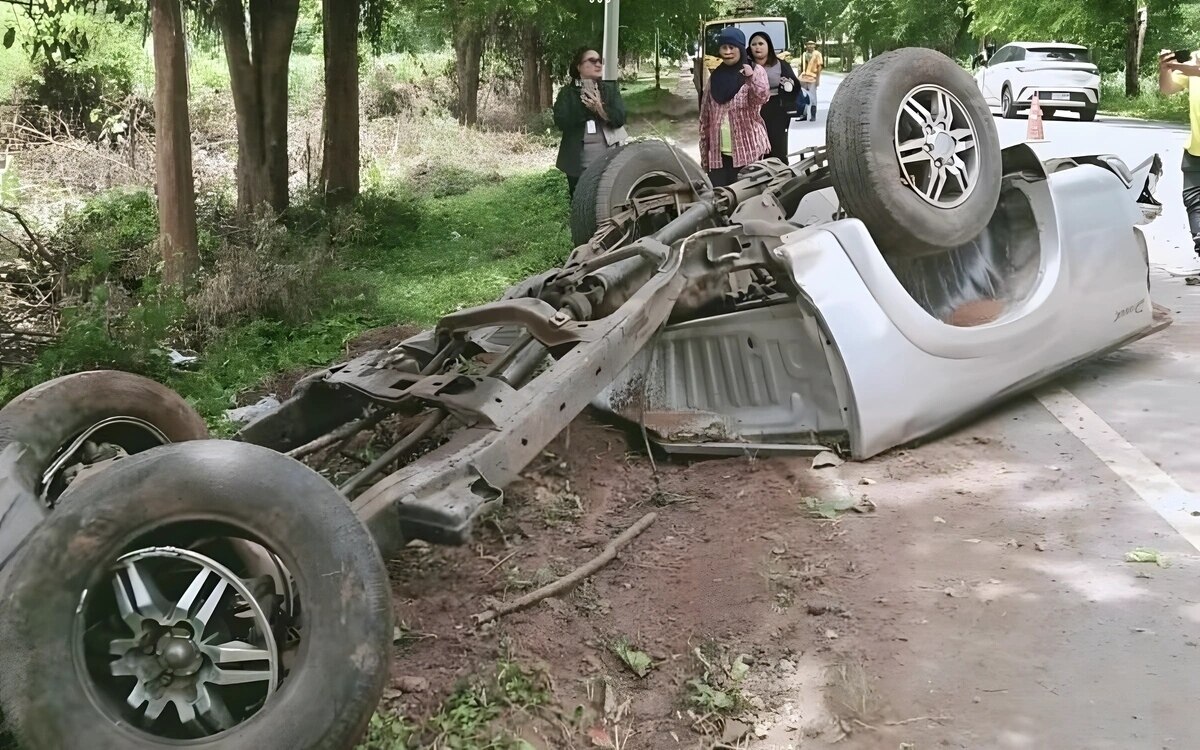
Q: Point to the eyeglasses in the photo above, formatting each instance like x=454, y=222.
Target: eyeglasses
x=593, y=60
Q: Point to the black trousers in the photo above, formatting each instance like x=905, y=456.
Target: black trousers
x=1191, y=195
x=725, y=175
x=571, y=183
x=777, y=121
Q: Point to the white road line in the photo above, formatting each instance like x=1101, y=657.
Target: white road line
x=1162, y=493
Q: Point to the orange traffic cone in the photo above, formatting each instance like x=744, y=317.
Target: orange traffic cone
x=1036, y=132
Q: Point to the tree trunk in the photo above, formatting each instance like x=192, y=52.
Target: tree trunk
x=531, y=93
x=173, y=148
x=545, y=86
x=1133, y=51
x=340, y=152
x=258, y=76
x=468, y=53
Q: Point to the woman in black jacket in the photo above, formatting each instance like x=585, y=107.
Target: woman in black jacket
x=590, y=114
x=785, y=86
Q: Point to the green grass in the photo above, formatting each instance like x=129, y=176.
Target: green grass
x=407, y=261
x=15, y=68
x=464, y=250
x=471, y=718
x=1148, y=105
x=641, y=98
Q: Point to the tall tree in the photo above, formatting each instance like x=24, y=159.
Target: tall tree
x=173, y=145
x=257, y=35
x=340, y=161
x=61, y=41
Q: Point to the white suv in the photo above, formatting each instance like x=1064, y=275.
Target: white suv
x=1062, y=76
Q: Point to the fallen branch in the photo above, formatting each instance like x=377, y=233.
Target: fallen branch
x=572, y=579
x=938, y=719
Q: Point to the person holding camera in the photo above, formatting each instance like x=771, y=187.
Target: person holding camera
x=591, y=115
x=784, y=85
x=1178, y=71
x=732, y=132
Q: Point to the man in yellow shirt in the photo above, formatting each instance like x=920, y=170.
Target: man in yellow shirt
x=812, y=63
x=1173, y=77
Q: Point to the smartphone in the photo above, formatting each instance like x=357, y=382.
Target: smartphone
x=1183, y=55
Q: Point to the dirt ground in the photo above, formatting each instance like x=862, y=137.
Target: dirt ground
x=739, y=562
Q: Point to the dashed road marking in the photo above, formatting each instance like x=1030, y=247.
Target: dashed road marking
x=1177, y=506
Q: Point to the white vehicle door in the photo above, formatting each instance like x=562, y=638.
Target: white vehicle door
x=988, y=74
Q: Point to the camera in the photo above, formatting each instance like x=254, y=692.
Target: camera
x=1183, y=55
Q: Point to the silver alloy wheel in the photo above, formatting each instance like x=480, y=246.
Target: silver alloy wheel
x=209, y=635
x=936, y=146
x=104, y=442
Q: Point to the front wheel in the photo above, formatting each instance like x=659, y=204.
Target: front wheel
x=1008, y=108
x=210, y=593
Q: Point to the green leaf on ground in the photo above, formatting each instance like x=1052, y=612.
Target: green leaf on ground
x=1146, y=555
x=829, y=507
x=638, y=662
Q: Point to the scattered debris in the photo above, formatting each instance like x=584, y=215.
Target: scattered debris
x=734, y=732
x=572, y=579
x=867, y=481
x=831, y=634
x=826, y=459
x=1039, y=546
x=831, y=507
x=599, y=737
x=938, y=519
x=1192, y=281
x=182, y=359
x=247, y=414
x=1146, y=555
x=638, y=662
x=412, y=684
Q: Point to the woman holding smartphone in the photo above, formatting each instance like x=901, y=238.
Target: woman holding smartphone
x=590, y=114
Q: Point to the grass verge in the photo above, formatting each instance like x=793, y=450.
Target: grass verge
x=406, y=259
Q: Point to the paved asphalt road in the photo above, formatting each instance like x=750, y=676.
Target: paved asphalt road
x=1090, y=651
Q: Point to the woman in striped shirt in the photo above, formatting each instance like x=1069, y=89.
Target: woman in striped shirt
x=732, y=131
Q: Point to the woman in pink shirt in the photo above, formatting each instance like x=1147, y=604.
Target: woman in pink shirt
x=732, y=131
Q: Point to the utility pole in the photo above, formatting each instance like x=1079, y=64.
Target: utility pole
x=612, y=20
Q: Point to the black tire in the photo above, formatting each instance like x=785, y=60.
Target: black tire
x=1088, y=114
x=865, y=168
x=1008, y=107
x=36, y=425
x=326, y=699
x=607, y=184
x=1048, y=113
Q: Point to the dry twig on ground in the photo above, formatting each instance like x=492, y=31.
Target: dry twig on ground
x=572, y=579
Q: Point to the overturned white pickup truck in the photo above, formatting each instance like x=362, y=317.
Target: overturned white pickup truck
x=158, y=588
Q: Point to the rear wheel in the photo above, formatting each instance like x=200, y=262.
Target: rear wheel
x=913, y=152
x=68, y=428
x=1048, y=112
x=1088, y=114
x=211, y=593
x=637, y=169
